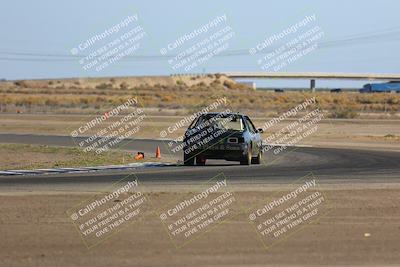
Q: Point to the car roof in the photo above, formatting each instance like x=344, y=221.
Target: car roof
x=230, y=113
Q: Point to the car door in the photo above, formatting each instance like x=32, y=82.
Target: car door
x=255, y=136
x=252, y=133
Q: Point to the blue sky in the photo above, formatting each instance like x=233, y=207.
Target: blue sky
x=45, y=27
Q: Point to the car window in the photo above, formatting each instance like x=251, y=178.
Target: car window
x=250, y=125
x=193, y=123
x=228, y=122
x=234, y=123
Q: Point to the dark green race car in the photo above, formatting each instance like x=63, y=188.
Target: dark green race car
x=229, y=136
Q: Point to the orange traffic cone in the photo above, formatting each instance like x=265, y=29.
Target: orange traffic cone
x=158, y=153
x=139, y=156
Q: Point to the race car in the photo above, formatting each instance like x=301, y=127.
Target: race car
x=229, y=136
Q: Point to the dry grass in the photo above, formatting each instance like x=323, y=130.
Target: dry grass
x=176, y=93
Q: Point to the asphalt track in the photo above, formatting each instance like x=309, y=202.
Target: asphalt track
x=327, y=164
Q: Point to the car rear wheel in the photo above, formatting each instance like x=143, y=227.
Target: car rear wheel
x=246, y=160
x=188, y=160
x=257, y=160
x=200, y=161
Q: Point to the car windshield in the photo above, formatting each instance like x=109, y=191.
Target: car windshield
x=222, y=121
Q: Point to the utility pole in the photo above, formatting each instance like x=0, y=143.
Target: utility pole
x=312, y=85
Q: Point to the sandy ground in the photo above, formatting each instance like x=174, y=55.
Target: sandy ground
x=362, y=228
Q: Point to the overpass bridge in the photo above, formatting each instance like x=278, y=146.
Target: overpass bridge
x=313, y=76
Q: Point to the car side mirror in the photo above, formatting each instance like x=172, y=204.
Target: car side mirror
x=260, y=130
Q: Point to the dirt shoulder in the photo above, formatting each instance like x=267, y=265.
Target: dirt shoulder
x=28, y=157
x=362, y=229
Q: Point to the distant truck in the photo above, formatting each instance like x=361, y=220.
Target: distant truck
x=336, y=90
x=381, y=87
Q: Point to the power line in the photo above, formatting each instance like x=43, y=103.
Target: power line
x=385, y=35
